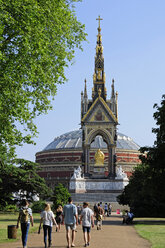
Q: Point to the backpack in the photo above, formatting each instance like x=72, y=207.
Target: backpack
x=99, y=217
x=24, y=215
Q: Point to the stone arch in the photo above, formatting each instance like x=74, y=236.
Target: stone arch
x=104, y=133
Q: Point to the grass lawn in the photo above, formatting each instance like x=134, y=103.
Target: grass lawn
x=11, y=219
x=152, y=229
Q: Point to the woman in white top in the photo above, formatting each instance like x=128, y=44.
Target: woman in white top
x=47, y=218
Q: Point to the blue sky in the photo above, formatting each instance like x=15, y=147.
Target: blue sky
x=133, y=38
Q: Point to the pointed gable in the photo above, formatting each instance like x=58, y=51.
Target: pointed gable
x=99, y=112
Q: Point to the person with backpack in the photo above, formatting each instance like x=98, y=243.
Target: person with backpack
x=99, y=216
x=25, y=217
x=48, y=219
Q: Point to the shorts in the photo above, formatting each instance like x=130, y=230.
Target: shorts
x=58, y=219
x=86, y=229
x=70, y=226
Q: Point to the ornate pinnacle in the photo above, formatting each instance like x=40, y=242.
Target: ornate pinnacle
x=85, y=89
x=99, y=92
x=113, y=90
x=99, y=19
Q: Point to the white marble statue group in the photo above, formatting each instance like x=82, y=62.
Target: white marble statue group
x=120, y=173
x=77, y=173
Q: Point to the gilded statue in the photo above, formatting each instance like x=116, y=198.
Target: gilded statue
x=99, y=74
x=94, y=77
x=99, y=157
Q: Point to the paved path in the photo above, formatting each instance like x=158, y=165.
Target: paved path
x=113, y=234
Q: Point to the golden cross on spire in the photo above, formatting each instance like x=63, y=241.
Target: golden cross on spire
x=99, y=19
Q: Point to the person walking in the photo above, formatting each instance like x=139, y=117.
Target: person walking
x=47, y=218
x=99, y=216
x=106, y=209
x=25, y=217
x=95, y=209
x=109, y=209
x=87, y=220
x=70, y=217
x=59, y=217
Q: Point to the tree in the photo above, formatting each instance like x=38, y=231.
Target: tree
x=22, y=180
x=60, y=195
x=38, y=206
x=37, y=41
x=144, y=192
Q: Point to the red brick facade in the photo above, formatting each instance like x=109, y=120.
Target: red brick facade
x=58, y=165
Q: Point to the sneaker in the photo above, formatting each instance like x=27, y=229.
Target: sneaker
x=50, y=244
x=88, y=243
x=85, y=245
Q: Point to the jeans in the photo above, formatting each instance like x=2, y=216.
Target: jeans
x=47, y=230
x=24, y=230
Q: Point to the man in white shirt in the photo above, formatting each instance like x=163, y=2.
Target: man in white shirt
x=87, y=220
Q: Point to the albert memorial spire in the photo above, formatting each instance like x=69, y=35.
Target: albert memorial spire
x=99, y=74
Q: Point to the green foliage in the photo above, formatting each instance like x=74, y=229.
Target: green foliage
x=9, y=208
x=23, y=179
x=37, y=41
x=60, y=196
x=144, y=191
x=138, y=193
x=38, y=206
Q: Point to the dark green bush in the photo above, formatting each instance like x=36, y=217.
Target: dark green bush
x=38, y=206
x=9, y=208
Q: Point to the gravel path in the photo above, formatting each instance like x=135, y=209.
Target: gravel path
x=113, y=234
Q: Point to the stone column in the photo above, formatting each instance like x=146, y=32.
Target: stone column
x=111, y=164
x=110, y=160
x=86, y=159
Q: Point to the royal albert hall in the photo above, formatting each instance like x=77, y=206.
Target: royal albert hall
x=64, y=153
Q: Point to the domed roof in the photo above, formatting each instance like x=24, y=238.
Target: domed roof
x=73, y=140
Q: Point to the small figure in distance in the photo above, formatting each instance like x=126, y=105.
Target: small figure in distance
x=128, y=217
x=99, y=216
x=47, y=218
x=70, y=217
x=95, y=209
x=105, y=209
x=87, y=220
x=79, y=209
x=109, y=209
x=59, y=217
x=25, y=217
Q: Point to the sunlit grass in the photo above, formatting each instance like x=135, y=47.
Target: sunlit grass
x=11, y=219
x=152, y=229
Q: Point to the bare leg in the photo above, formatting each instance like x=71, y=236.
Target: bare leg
x=89, y=237
x=73, y=237
x=68, y=237
x=85, y=237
